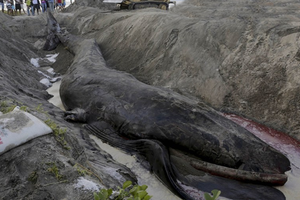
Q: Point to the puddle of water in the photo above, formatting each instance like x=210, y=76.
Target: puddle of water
x=155, y=187
x=54, y=90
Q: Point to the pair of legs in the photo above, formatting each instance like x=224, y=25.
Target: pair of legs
x=2, y=6
x=51, y=6
x=35, y=7
x=18, y=8
x=10, y=10
x=59, y=6
x=28, y=10
x=22, y=7
x=44, y=6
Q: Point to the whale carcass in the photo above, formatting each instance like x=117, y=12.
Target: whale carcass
x=139, y=111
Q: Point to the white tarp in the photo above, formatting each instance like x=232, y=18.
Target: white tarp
x=18, y=127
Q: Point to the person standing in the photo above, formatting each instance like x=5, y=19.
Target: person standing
x=44, y=5
x=13, y=7
x=9, y=7
x=2, y=5
x=51, y=5
x=59, y=4
x=35, y=6
x=18, y=6
x=22, y=5
x=29, y=6
x=63, y=4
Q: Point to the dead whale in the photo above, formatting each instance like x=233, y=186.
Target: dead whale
x=139, y=111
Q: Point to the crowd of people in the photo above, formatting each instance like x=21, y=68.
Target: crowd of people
x=15, y=7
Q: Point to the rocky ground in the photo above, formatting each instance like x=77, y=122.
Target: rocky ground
x=238, y=56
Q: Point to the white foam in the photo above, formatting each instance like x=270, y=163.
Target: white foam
x=35, y=62
x=52, y=57
x=46, y=82
x=85, y=184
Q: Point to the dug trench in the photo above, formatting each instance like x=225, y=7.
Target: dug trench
x=238, y=56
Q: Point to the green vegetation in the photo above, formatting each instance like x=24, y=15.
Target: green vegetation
x=82, y=170
x=40, y=109
x=128, y=192
x=24, y=108
x=137, y=192
x=54, y=170
x=59, y=133
x=6, y=108
x=216, y=194
x=33, y=177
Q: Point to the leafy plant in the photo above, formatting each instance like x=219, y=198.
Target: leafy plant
x=59, y=133
x=216, y=194
x=24, y=108
x=128, y=192
x=40, y=109
x=82, y=170
x=103, y=194
x=33, y=177
x=54, y=170
x=5, y=108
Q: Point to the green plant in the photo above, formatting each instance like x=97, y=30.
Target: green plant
x=5, y=108
x=8, y=107
x=39, y=108
x=33, y=177
x=24, y=108
x=82, y=170
x=59, y=133
x=54, y=170
x=103, y=194
x=216, y=194
x=128, y=192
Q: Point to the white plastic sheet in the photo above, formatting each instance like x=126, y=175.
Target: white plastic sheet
x=18, y=127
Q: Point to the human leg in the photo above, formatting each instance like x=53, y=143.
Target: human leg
x=18, y=8
x=28, y=10
x=51, y=6
x=37, y=8
x=2, y=6
x=32, y=10
x=44, y=6
x=22, y=7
